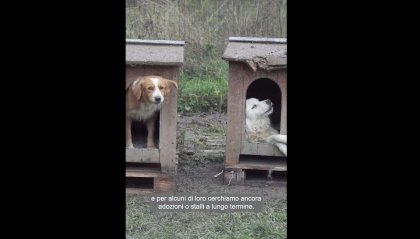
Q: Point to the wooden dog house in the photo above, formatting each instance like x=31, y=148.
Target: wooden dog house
x=153, y=169
x=257, y=69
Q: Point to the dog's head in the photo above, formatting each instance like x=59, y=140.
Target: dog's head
x=256, y=109
x=152, y=89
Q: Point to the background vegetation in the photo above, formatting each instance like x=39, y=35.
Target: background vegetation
x=205, y=26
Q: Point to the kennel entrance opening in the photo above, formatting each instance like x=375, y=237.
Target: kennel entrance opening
x=263, y=89
x=139, y=133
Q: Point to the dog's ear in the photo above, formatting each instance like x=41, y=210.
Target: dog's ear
x=136, y=88
x=169, y=83
x=173, y=83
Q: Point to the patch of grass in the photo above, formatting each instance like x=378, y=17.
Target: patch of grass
x=203, y=95
x=141, y=223
x=205, y=92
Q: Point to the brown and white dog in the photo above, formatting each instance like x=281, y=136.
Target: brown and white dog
x=144, y=98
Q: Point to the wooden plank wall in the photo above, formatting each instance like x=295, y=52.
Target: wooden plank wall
x=132, y=72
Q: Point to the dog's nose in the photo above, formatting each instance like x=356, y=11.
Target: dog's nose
x=269, y=102
x=158, y=98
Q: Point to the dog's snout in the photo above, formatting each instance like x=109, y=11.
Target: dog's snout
x=268, y=102
x=158, y=98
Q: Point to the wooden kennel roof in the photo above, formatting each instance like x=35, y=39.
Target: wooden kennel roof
x=259, y=53
x=154, y=52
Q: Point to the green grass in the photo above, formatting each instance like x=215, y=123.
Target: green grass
x=203, y=95
x=270, y=223
x=205, y=92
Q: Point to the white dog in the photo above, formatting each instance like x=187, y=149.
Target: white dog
x=258, y=125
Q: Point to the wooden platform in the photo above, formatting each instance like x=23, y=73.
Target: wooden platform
x=259, y=148
x=237, y=174
x=262, y=164
x=143, y=180
x=142, y=155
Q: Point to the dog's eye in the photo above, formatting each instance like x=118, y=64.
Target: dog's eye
x=150, y=88
x=160, y=87
x=253, y=107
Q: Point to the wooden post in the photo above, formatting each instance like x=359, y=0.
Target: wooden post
x=234, y=113
x=283, y=87
x=168, y=123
